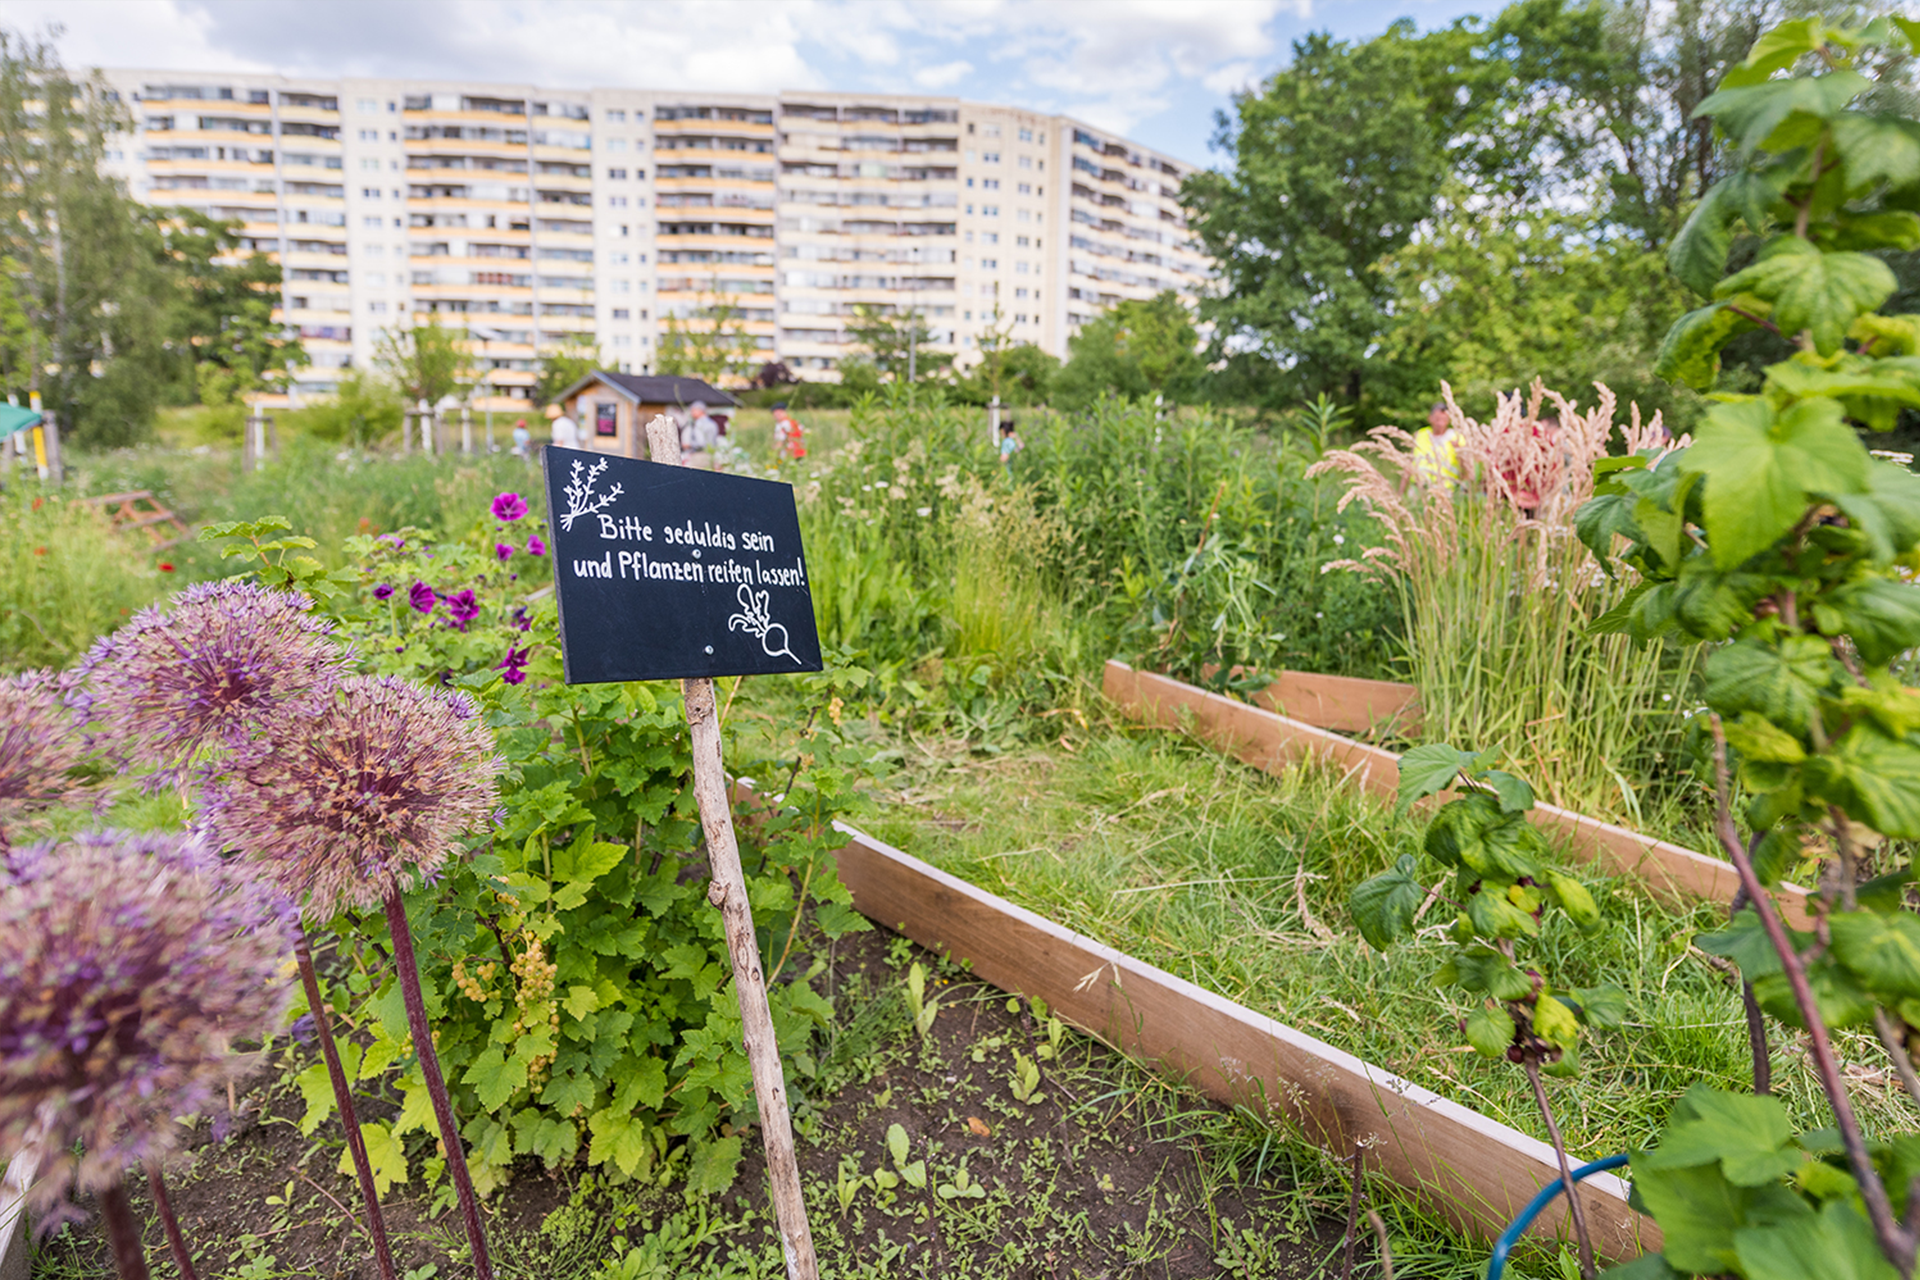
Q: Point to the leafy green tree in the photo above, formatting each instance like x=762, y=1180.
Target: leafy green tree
x=573, y=359
x=364, y=409
x=719, y=350
x=1020, y=373
x=896, y=342
x=225, y=299
x=426, y=361
x=1134, y=349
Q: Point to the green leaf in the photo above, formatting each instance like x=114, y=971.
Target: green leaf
x=1839, y=1244
x=580, y=1001
x=587, y=860
x=1876, y=149
x=621, y=1138
x=1777, y=851
x=316, y=1086
x=1699, y=1210
x=1698, y=255
x=1460, y=826
x=1484, y=971
x=1750, y=113
x=1601, y=518
x=1690, y=353
x=1811, y=290
x=1749, y=1136
x=1382, y=907
x=1777, y=50
x=1758, y=738
x=1648, y=1266
x=1555, y=1023
x=1490, y=1032
x=1515, y=795
x=496, y=1077
x=1882, y=951
x=1494, y=916
x=1760, y=470
x=897, y=1143
x=1880, y=616
x=1888, y=512
x=1604, y=1006
x=712, y=1165
x=385, y=1156
x=1574, y=899
x=1888, y=229
x=1874, y=777
x=1782, y=683
x=1429, y=770
x=1744, y=941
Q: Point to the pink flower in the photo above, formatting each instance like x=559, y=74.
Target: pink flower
x=383, y=591
x=502, y=550
x=535, y=547
x=509, y=506
x=422, y=597
x=463, y=608
x=512, y=664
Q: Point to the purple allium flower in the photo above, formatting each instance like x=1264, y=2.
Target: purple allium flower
x=512, y=664
x=463, y=608
x=535, y=547
x=509, y=506
x=337, y=806
x=383, y=591
x=206, y=669
x=128, y=963
x=422, y=597
x=41, y=750
x=502, y=550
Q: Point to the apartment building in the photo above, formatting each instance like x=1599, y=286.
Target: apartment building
x=539, y=218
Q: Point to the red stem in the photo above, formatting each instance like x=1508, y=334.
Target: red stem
x=343, y=1098
x=175, y=1241
x=409, y=971
x=123, y=1233
x=1575, y=1209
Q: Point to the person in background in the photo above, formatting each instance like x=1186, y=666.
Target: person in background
x=699, y=436
x=1010, y=444
x=566, y=433
x=789, y=439
x=1433, y=451
x=522, y=439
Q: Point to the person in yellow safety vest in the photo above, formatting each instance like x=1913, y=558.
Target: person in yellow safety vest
x=1433, y=451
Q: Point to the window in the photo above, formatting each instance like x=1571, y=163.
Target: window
x=367, y=162
x=989, y=237
x=373, y=277
x=617, y=202
x=370, y=193
x=989, y=210
x=993, y=131
x=622, y=286
x=1021, y=241
x=1019, y=293
x=990, y=157
x=606, y=418
x=1026, y=162
x=616, y=175
x=618, y=259
x=375, y=250
x=616, y=116
x=1026, y=135
x=1020, y=267
x=969, y=181
x=377, y=308
x=969, y=209
x=622, y=313
x=990, y=184
x=616, y=144
x=366, y=106
x=1026, y=188
x=989, y=264
x=369, y=135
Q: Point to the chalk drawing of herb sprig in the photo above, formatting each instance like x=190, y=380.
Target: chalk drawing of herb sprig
x=580, y=496
x=756, y=621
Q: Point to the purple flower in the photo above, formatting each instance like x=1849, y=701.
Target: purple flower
x=509, y=506
x=130, y=964
x=462, y=608
x=422, y=597
x=522, y=621
x=337, y=807
x=393, y=540
x=383, y=591
x=535, y=547
x=512, y=664
x=206, y=669
x=41, y=749
x=502, y=550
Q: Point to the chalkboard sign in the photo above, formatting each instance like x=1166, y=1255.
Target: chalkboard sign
x=669, y=572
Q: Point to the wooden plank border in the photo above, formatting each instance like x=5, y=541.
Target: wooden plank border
x=1475, y=1172
x=15, y=1263
x=1269, y=741
x=1345, y=704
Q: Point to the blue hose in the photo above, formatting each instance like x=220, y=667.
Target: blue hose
x=1504, y=1245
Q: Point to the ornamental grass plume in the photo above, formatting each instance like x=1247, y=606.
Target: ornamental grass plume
x=42, y=753
x=1498, y=596
x=128, y=963
x=340, y=808
x=206, y=670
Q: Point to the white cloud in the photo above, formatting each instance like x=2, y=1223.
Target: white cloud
x=944, y=76
x=1229, y=78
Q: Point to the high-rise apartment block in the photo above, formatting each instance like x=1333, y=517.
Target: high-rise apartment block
x=537, y=217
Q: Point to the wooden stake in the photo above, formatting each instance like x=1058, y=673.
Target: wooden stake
x=728, y=891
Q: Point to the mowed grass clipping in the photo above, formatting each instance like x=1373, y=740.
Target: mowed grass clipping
x=1237, y=880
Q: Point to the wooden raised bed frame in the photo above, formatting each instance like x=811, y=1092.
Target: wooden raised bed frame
x=1272, y=742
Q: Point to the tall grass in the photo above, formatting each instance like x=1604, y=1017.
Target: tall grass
x=65, y=576
x=1003, y=604
x=1499, y=597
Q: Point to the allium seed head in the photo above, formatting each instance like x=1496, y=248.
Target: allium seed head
x=128, y=964
x=41, y=749
x=337, y=806
x=207, y=669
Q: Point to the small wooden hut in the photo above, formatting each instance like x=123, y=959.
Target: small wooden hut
x=613, y=409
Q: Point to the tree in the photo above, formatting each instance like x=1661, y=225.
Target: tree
x=1135, y=349
x=896, y=341
x=425, y=361
x=566, y=364
x=224, y=307
x=1019, y=373
x=720, y=351
x=86, y=292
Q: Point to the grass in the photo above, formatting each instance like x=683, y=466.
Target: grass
x=1237, y=881
x=65, y=577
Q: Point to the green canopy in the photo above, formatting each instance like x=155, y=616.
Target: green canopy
x=13, y=418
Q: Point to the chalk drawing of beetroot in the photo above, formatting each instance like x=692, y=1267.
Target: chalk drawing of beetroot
x=756, y=621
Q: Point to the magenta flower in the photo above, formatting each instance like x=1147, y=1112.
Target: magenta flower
x=463, y=608
x=205, y=670
x=521, y=620
x=422, y=597
x=383, y=591
x=512, y=664
x=502, y=550
x=393, y=540
x=509, y=507
x=535, y=547
x=337, y=807
x=130, y=964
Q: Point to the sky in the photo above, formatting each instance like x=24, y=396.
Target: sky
x=1153, y=70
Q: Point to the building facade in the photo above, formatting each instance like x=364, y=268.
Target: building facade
x=538, y=218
